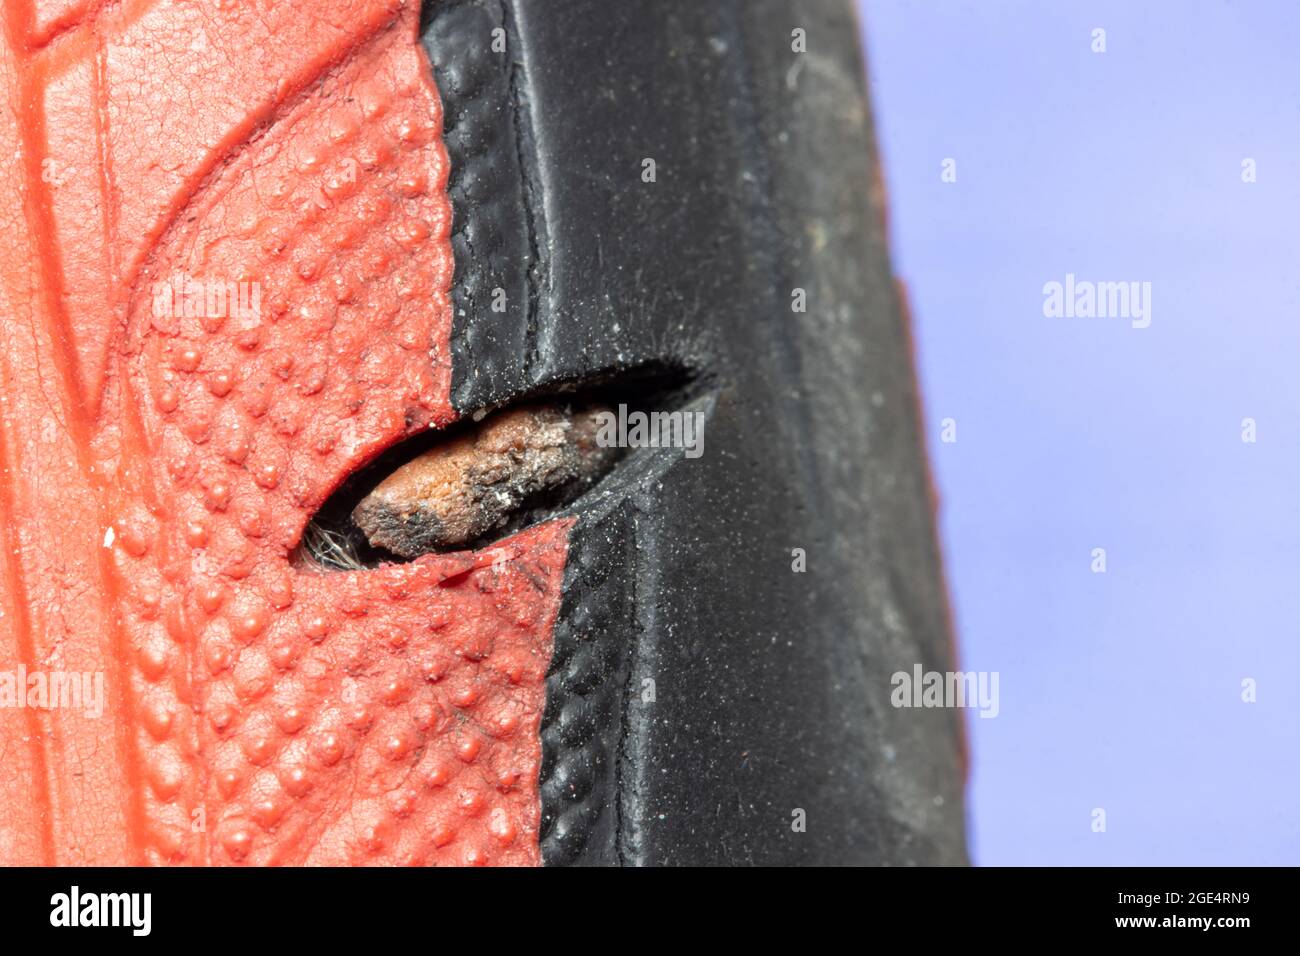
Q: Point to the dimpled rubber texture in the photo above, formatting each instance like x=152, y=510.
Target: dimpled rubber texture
x=158, y=468
x=586, y=694
x=494, y=238
x=493, y=227
x=705, y=694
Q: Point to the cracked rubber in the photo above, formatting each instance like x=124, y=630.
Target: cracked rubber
x=158, y=467
x=640, y=679
x=770, y=688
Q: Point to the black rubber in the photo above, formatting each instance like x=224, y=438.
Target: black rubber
x=771, y=687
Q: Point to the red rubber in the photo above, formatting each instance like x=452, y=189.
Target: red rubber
x=156, y=470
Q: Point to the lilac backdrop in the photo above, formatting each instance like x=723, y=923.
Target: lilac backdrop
x=1120, y=690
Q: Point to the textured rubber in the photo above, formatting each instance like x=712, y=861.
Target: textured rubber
x=690, y=664
x=160, y=462
x=706, y=696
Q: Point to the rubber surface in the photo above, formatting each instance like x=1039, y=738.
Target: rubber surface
x=647, y=678
x=160, y=463
x=703, y=692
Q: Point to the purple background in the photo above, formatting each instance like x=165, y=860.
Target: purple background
x=1119, y=690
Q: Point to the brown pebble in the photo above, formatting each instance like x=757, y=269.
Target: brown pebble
x=464, y=488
